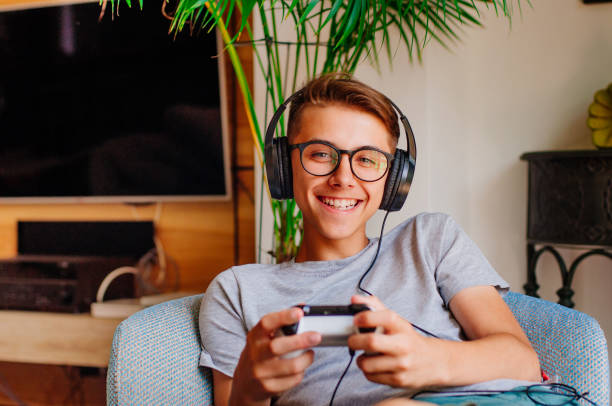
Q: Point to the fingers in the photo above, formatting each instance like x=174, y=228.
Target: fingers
x=389, y=370
x=278, y=385
x=390, y=321
x=264, y=344
x=390, y=379
x=273, y=321
x=283, y=345
x=376, y=364
x=378, y=343
x=279, y=367
x=372, y=301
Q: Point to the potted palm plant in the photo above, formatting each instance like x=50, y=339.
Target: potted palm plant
x=323, y=36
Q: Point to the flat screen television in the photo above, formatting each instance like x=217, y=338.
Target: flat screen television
x=109, y=111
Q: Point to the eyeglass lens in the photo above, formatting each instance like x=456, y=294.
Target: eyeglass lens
x=321, y=159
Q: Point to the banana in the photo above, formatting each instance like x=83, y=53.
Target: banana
x=603, y=97
x=600, y=118
x=602, y=138
x=596, y=123
x=599, y=110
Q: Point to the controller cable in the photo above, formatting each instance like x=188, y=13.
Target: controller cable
x=352, y=352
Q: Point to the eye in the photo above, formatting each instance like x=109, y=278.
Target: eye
x=366, y=161
x=320, y=153
x=369, y=159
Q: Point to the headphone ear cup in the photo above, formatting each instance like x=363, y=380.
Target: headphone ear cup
x=284, y=167
x=398, y=183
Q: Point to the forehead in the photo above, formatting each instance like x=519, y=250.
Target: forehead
x=345, y=127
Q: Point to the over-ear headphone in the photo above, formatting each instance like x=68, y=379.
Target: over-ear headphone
x=280, y=176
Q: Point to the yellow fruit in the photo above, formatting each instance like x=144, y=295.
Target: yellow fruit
x=596, y=123
x=600, y=118
x=603, y=97
x=602, y=138
x=599, y=110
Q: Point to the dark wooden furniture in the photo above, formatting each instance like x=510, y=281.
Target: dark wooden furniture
x=570, y=206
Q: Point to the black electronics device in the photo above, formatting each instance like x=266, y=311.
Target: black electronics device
x=280, y=177
x=85, y=238
x=121, y=111
x=62, y=263
x=60, y=283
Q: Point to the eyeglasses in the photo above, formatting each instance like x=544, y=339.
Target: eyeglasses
x=544, y=394
x=320, y=158
x=555, y=394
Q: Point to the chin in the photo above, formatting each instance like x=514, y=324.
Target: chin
x=337, y=231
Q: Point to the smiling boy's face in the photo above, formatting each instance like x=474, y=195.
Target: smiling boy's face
x=337, y=206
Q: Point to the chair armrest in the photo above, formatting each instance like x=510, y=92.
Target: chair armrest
x=570, y=344
x=155, y=358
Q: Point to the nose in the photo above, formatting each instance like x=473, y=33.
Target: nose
x=343, y=176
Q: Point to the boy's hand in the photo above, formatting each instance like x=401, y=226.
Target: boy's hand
x=261, y=372
x=402, y=357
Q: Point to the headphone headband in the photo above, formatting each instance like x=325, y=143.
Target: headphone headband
x=277, y=115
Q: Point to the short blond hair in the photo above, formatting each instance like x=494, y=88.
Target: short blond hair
x=341, y=88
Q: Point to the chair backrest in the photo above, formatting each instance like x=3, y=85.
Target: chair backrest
x=155, y=354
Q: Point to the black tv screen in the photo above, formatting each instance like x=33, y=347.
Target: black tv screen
x=113, y=110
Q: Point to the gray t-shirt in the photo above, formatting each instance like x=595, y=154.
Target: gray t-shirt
x=423, y=263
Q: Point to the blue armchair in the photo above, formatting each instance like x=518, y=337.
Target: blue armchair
x=155, y=353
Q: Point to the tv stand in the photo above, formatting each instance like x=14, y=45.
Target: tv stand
x=55, y=338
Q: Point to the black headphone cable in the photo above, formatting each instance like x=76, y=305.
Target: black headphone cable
x=367, y=292
x=352, y=352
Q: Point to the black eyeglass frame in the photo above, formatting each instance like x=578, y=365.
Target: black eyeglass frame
x=350, y=154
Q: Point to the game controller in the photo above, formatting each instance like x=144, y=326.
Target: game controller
x=334, y=323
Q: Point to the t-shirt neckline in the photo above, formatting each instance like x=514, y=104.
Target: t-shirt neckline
x=327, y=265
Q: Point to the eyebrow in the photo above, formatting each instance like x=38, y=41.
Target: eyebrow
x=354, y=149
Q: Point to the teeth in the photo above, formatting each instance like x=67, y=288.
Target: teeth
x=342, y=204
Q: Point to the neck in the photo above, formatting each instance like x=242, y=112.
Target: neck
x=324, y=249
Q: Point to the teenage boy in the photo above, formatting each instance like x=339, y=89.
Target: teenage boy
x=428, y=274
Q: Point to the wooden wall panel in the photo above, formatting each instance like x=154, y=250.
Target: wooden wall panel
x=199, y=236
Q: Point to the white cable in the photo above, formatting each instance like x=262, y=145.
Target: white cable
x=135, y=213
x=158, y=212
x=110, y=277
x=161, y=256
x=161, y=253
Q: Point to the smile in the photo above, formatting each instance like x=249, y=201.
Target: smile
x=339, y=204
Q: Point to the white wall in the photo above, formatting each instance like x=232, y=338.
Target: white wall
x=475, y=110
x=502, y=92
